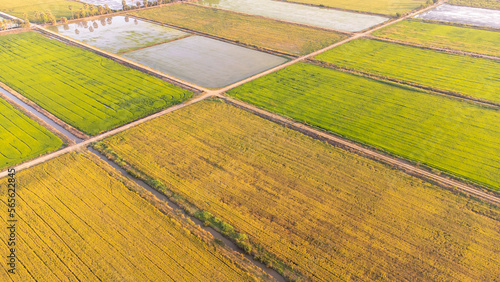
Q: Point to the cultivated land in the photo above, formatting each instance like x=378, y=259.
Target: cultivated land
x=57, y=8
x=21, y=137
x=444, y=36
x=331, y=214
x=85, y=90
x=251, y=30
x=118, y=34
x=475, y=77
x=454, y=136
x=488, y=4
x=463, y=15
x=77, y=221
x=388, y=7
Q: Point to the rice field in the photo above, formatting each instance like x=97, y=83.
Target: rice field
x=463, y=15
x=487, y=4
x=78, y=221
x=330, y=214
x=444, y=36
x=387, y=7
x=475, y=77
x=298, y=13
x=85, y=90
x=57, y=7
x=458, y=137
x=118, y=34
x=255, y=31
x=22, y=138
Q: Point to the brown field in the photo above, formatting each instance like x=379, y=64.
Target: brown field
x=327, y=213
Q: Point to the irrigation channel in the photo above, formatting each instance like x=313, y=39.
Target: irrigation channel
x=271, y=272
x=41, y=116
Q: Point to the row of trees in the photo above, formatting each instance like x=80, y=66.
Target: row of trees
x=89, y=10
x=145, y=3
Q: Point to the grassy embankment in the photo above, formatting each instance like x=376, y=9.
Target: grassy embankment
x=77, y=220
x=444, y=36
x=85, y=90
x=458, y=137
x=251, y=30
x=21, y=137
x=59, y=8
x=487, y=4
x=330, y=214
x=387, y=7
x=474, y=77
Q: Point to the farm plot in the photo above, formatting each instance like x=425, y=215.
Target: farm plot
x=475, y=77
x=315, y=16
x=78, y=222
x=487, y=4
x=463, y=15
x=118, y=34
x=387, y=7
x=454, y=136
x=252, y=30
x=57, y=8
x=331, y=214
x=444, y=36
x=113, y=4
x=85, y=90
x=204, y=61
x=21, y=138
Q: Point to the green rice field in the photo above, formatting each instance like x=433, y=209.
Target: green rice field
x=87, y=91
x=475, y=77
x=21, y=137
x=487, y=4
x=458, y=137
x=252, y=30
x=444, y=36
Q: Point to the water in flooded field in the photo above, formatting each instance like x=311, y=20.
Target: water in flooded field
x=113, y=4
x=204, y=61
x=118, y=34
x=464, y=15
x=321, y=17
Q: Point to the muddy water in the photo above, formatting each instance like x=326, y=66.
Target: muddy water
x=175, y=207
x=41, y=116
x=113, y=4
x=204, y=61
x=465, y=15
x=118, y=34
x=327, y=18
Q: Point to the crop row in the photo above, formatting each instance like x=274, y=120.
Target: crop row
x=451, y=135
x=80, y=223
x=326, y=213
x=85, y=90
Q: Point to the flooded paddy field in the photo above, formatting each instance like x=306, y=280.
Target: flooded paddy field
x=118, y=34
x=204, y=61
x=113, y=4
x=464, y=15
x=315, y=16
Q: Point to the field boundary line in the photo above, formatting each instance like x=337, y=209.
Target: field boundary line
x=432, y=48
x=46, y=113
x=368, y=152
x=435, y=91
x=215, y=37
x=123, y=61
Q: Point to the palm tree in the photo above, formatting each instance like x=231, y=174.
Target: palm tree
x=72, y=13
